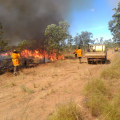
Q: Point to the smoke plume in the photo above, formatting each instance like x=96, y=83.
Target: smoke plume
x=27, y=19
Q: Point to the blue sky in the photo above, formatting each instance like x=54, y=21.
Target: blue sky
x=93, y=19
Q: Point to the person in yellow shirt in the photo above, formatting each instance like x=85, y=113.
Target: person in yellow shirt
x=16, y=62
x=79, y=54
x=75, y=52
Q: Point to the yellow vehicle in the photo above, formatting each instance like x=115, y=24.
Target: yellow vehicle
x=96, y=53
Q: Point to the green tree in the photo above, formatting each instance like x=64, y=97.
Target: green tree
x=77, y=40
x=109, y=43
x=83, y=39
x=114, y=25
x=70, y=41
x=56, y=36
x=86, y=37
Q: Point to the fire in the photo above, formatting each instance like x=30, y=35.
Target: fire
x=40, y=54
x=37, y=54
x=5, y=54
x=61, y=57
x=26, y=53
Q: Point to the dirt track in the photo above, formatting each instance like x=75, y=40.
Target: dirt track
x=52, y=84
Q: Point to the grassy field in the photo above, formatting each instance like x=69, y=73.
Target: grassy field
x=102, y=92
x=45, y=92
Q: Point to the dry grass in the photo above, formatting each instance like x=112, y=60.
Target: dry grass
x=97, y=94
x=102, y=95
x=68, y=111
x=36, y=91
x=25, y=89
x=113, y=71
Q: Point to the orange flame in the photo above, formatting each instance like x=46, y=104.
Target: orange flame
x=41, y=54
x=5, y=54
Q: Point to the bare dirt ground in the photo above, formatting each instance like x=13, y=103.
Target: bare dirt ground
x=35, y=93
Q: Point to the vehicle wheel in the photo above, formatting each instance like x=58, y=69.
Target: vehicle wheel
x=103, y=62
x=89, y=62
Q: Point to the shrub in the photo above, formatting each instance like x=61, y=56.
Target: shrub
x=96, y=93
x=113, y=71
x=23, y=88
x=104, y=101
x=67, y=111
x=28, y=90
x=112, y=112
x=110, y=74
x=96, y=86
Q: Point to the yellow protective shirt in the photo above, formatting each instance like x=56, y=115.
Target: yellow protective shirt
x=75, y=52
x=15, y=59
x=79, y=53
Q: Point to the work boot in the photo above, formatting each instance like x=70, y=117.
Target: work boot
x=15, y=73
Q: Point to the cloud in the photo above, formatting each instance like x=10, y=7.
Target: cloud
x=92, y=10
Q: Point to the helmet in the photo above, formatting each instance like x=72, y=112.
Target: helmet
x=14, y=51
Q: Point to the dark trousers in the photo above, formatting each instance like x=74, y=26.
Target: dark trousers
x=80, y=59
x=75, y=55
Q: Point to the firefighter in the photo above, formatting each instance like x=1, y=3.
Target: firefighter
x=75, y=52
x=79, y=54
x=16, y=62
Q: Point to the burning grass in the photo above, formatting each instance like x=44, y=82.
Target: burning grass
x=41, y=54
x=29, y=58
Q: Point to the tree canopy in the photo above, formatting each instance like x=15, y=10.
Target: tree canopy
x=114, y=25
x=83, y=39
x=56, y=36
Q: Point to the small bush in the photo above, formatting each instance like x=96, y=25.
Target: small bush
x=96, y=103
x=96, y=86
x=104, y=101
x=112, y=112
x=23, y=88
x=28, y=90
x=12, y=84
x=113, y=71
x=96, y=94
x=67, y=111
x=110, y=74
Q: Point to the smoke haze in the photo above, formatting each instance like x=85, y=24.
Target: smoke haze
x=26, y=19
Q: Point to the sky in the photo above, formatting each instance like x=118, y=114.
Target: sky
x=93, y=19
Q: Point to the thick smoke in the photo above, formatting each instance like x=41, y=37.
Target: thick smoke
x=27, y=19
